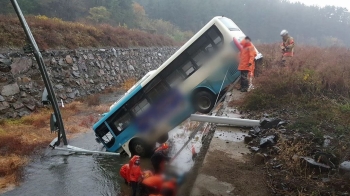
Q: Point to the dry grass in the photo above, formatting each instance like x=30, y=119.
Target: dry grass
x=129, y=83
x=93, y=100
x=55, y=33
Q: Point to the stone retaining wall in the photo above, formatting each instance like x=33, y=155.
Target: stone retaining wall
x=73, y=73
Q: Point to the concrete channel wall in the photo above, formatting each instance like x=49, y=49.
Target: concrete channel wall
x=73, y=73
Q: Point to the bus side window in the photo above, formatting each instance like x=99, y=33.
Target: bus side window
x=174, y=78
x=157, y=91
x=122, y=122
x=141, y=106
x=214, y=35
x=188, y=68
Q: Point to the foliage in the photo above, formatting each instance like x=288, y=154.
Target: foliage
x=99, y=14
x=261, y=20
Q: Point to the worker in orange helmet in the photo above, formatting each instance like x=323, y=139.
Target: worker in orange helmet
x=159, y=158
x=287, y=46
x=247, y=62
x=124, y=172
x=135, y=173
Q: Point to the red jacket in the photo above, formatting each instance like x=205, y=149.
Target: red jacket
x=135, y=170
x=247, y=56
x=124, y=172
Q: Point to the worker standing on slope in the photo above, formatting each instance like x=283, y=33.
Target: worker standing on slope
x=287, y=46
x=246, y=62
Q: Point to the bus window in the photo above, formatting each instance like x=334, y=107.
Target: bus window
x=174, y=78
x=188, y=68
x=141, y=106
x=103, y=132
x=122, y=122
x=157, y=91
x=215, y=36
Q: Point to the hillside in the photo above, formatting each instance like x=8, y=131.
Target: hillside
x=54, y=33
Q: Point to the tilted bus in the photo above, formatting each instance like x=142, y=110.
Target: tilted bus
x=188, y=82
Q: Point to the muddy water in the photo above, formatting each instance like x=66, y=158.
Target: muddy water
x=57, y=174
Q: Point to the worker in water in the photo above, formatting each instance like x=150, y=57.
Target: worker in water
x=151, y=185
x=135, y=173
x=159, y=158
x=246, y=62
x=124, y=172
x=287, y=46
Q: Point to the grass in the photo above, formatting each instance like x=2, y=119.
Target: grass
x=313, y=92
x=54, y=33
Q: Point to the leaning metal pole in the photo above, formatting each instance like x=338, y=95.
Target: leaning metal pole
x=39, y=59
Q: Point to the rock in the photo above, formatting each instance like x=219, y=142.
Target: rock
x=282, y=123
x=23, y=95
x=267, y=123
x=2, y=98
x=53, y=61
x=91, y=81
x=26, y=80
x=21, y=65
x=4, y=106
x=267, y=141
x=91, y=56
x=31, y=107
x=10, y=89
x=255, y=131
x=23, y=113
x=259, y=159
x=59, y=86
x=61, y=62
x=131, y=68
x=75, y=68
x=327, y=140
x=76, y=74
x=69, y=60
x=345, y=166
x=3, y=57
x=254, y=149
x=11, y=114
x=5, y=68
x=73, y=94
x=248, y=139
x=62, y=96
x=69, y=90
x=114, y=52
x=17, y=105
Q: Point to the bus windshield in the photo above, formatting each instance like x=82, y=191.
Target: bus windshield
x=229, y=24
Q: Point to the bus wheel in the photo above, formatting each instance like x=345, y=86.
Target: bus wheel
x=140, y=147
x=163, y=138
x=204, y=101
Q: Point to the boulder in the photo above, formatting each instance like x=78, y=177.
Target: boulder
x=9, y=90
x=21, y=65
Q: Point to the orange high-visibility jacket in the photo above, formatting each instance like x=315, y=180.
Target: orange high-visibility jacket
x=247, y=56
x=135, y=170
x=288, y=44
x=124, y=172
x=155, y=181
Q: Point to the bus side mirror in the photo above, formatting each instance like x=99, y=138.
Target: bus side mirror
x=53, y=123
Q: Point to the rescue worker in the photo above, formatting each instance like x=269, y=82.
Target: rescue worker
x=194, y=153
x=159, y=158
x=124, y=172
x=287, y=46
x=246, y=62
x=135, y=173
x=151, y=185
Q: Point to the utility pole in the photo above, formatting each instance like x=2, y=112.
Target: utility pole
x=40, y=61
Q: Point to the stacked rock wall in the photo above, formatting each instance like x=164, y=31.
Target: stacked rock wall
x=73, y=73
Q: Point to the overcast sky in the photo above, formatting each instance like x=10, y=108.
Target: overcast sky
x=321, y=3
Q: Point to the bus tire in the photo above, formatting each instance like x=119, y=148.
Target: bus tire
x=163, y=138
x=204, y=101
x=140, y=147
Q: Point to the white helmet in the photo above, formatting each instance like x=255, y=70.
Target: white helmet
x=284, y=32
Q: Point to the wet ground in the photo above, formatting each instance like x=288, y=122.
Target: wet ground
x=57, y=173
